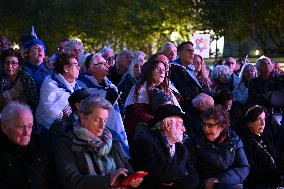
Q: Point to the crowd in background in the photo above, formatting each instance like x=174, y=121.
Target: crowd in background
x=88, y=120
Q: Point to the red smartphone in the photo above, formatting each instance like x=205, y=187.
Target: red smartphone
x=139, y=174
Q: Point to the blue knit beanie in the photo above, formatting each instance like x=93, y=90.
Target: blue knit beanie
x=29, y=44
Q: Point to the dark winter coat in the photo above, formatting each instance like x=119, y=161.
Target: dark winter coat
x=150, y=153
x=73, y=158
x=225, y=160
x=25, y=167
x=185, y=84
x=262, y=159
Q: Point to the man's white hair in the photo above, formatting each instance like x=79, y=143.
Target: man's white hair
x=13, y=109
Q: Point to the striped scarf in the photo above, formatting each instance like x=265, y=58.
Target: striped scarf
x=101, y=145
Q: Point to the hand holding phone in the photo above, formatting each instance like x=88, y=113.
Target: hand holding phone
x=137, y=175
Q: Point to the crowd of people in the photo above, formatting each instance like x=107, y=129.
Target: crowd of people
x=97, y=120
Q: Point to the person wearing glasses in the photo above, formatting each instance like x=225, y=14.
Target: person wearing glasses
x=97, y=83
x=234, y=78
x=16, y=84
x=95, y=80
x=55, y=91
x=139, y=101
x=217, y=152
x=107, y=54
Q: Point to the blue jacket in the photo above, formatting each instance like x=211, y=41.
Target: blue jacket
x=225, y=160
x=37, y=72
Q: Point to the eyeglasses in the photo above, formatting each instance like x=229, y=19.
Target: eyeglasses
x=13, y=63
x=99, y=63
x=160, y=70
x=209, y=125
x=225, y=76
x=77, y=50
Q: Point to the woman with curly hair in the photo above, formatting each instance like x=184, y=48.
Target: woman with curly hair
x=217, y=152
x=15, y=84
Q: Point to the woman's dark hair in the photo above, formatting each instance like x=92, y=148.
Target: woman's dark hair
x=11, y=52
x=145, y=66
x=251, y=114
x=147, y=76
x=218, y=113
x=61, y=61
x=222, y=96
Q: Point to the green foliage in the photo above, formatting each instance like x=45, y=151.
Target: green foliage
x=260, y=20
x=143, y=24
x=125, y=24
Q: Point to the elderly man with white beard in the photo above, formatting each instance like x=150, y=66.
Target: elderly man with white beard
x=158, y=149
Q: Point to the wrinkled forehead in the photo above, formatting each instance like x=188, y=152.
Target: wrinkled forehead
x=174, y=118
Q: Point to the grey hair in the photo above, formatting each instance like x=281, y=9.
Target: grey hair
x=260, y=61
x=138, y=57
x=95, y=59
x=92, y=102
x=11, y=110
x=244, y=68
x=217, y=70
x=203, y=100
x=121, y=54
x=160, y=125
x=105, y=50
x=166, y=45
x=70, y=45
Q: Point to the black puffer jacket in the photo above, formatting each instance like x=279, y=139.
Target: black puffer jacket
x=224, y=159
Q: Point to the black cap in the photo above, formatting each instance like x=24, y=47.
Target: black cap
x=167, y=110
x=78, y=95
